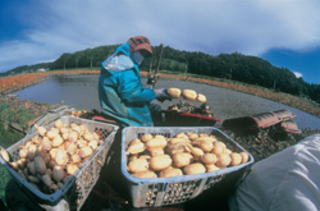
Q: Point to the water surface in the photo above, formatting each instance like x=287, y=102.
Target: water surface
x=80, y=91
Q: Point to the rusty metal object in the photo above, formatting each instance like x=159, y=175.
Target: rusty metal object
x=268, y=119
x=290, y=127
x=261, y=121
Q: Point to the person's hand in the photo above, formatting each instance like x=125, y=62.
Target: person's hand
x=162, y=95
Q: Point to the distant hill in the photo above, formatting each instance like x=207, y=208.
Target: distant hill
x=27, y=69
x=235, y=66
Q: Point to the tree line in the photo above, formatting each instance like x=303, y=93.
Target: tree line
x=235, y=66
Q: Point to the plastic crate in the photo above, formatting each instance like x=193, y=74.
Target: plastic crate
x=78, y=187
x=173, y=190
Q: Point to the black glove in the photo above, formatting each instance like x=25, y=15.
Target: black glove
x=162, y=95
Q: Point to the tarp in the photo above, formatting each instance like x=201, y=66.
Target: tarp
x=287, y=180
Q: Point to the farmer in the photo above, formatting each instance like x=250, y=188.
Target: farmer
x=121, y=93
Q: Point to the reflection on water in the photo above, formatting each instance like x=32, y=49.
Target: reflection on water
x=78, y=91
x=81, y=91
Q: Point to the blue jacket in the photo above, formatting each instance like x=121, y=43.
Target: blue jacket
x=121, y=93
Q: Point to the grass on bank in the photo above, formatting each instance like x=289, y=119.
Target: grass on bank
x=8, y=115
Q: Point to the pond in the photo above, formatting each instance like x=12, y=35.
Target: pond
x=80, y=91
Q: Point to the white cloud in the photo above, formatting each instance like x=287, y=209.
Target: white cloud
x=298, y=75
x=213, y=26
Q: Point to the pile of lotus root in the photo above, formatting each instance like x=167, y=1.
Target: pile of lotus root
x=187, y=94
x=152, y=156
x=50, y=158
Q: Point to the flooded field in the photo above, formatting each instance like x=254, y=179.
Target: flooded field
x=80, y=91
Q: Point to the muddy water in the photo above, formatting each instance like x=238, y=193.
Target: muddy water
x=81, y=92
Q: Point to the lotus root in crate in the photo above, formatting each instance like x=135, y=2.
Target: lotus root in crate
x=76, y=187
x=146, y=185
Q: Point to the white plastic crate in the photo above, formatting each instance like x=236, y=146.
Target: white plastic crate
x=173, y=190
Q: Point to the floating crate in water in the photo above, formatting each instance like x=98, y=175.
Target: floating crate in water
x=173, y=190
x=78, y=187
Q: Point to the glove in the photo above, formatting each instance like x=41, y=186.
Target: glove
x=162, y=95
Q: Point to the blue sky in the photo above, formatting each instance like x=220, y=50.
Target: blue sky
x=284, y=32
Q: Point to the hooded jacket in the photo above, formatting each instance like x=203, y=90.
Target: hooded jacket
x=121, y=93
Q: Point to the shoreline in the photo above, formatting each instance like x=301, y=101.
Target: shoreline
x=19, y=82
